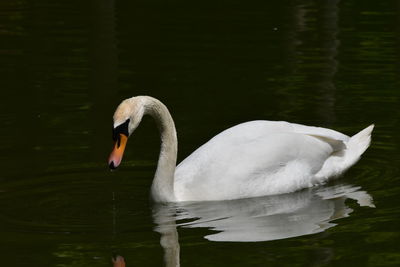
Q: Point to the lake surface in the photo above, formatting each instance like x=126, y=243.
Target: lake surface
x=66, y=65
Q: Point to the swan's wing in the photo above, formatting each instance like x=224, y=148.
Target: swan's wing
x=318, y=131
x=253, y=129
x=337, y=145
x=253, y=159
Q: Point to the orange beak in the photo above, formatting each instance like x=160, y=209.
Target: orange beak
x=118, y=152
x=118, y=261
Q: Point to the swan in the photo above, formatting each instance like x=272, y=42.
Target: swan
x=251, y=159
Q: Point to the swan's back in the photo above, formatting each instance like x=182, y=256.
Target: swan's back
x=263, y=158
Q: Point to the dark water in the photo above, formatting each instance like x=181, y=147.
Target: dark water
x=65, y=65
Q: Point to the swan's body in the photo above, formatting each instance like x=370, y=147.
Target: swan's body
x=251, y=159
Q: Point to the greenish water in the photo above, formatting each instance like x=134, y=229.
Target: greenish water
x=65, y=66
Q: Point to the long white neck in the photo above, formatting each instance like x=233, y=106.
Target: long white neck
x=162, y=189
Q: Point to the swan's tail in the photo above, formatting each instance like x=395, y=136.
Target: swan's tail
x=347, y=157
x=358, y=143
x=356, y=146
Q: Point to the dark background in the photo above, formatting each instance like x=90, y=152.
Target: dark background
x=65, y=66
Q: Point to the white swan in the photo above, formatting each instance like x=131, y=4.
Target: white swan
x=251, y=159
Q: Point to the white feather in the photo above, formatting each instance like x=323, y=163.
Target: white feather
x=264, y=158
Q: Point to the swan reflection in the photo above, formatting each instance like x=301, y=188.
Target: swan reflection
x=257, y=219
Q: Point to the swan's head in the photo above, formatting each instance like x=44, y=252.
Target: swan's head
x=126, y=119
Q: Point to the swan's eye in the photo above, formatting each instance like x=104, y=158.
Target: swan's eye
x=121, y=129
